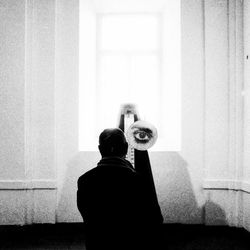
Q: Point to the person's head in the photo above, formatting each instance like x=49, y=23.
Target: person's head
x=112, y=142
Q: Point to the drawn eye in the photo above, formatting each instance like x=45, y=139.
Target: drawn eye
x=141, y=136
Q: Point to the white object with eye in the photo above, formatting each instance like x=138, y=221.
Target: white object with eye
x=141, y=135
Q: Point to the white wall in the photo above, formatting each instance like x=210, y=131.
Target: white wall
x=12, y=66
x=226, y=182
x=206, y=182
x=246, y=159
x=28, y=170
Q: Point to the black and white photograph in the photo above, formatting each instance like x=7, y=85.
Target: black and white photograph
x=125, y=124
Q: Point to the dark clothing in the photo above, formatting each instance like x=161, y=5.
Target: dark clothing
x=112, y=199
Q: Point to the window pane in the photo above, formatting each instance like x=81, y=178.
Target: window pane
x=113, y=80
x=129, y=32
x=128, y=79
x=145, y=86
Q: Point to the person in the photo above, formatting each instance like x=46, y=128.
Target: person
x=112, y=199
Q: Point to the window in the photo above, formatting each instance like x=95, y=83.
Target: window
x=123, y=56
x=128, y=66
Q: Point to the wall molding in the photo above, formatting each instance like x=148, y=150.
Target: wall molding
x=28, y=184
x=223, y=108
x=227, y=184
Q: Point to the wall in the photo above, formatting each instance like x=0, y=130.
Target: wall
x=245, y=198
x=206, y=182
x=28, y=174
x=226, y=182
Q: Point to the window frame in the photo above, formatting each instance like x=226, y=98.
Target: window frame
x=170, y=140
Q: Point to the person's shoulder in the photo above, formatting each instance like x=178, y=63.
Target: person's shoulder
x=87, y=175
x=129, y=171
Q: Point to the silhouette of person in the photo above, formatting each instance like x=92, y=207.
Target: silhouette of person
x=112, y=199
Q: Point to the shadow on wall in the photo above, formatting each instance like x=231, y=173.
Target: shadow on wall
x=176, y=195
x=214, y=214
x=173, y=184
x=175, y=192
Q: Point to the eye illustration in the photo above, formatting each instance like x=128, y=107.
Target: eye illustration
x=141, y=135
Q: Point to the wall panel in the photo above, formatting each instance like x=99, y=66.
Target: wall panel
x=27, y=155
x=192, y=149
x=216, y=88
x=40, y=84
x=247, y=90
x=67, y=87
x=13, y=207
x=12, y=77
x=224, y=145
x=246, y=164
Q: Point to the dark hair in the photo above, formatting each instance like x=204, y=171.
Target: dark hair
x=112, y=142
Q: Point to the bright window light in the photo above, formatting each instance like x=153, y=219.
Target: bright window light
x=127, y=70
x=129, y=58
x=132, y=32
